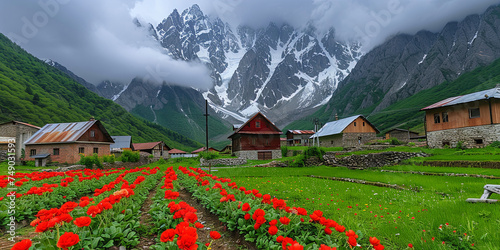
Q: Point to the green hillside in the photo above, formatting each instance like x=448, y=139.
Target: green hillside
x=32, y=91
x=406, y=113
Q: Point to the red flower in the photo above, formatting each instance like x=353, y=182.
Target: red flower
x=325, y=247
x=273, y=222
x=280, y=239
x=379, y=247
x=22, y=245
x=284, y=220
x=167, y=235
x=42, y=227
x=247, y=216
x=328, y=230
x=199, y=225
x=410, y=245
x=18, y=183
x=340, y=228
x=374, y=241
x=35, y=222
x=214, y=235
x=68, y=239
x=352, y=241
x=84, y=203
x=273, y=230
x=83, y=221
x=246, y=207
x=93, y=211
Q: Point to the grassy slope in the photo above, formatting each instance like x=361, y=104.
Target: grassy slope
x=406, y=113
x=24, y=79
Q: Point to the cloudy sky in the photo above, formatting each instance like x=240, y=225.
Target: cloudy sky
x=97, y=40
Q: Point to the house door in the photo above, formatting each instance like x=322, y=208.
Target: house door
x=263, y=155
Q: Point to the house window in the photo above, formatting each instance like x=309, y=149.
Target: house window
x=32, y=152
x=363, y=124
x=446, y=143
x=257, y=124
x=92, y=133
x=474, y=113
x=437, y=118
x=96, y=150
x=445, y=116
x=267, y=142
x=81, y=150
x=55, y=151
x=332, y=142
x=354, y=124
x=478, y=141
x=253, y=141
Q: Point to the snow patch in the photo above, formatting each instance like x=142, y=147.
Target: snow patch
x=118, y=95
x=423, y=59
x=474, y=38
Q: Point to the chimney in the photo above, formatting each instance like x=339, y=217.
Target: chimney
x=336, y=117
x=92, y=118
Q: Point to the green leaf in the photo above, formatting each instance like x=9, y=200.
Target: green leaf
x=109, y=244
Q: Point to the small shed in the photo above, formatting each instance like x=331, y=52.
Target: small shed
x=402, y=135
x=176, y=153
x=157, y=149
x=41, y=159
x=298, y=137
x=349, y=132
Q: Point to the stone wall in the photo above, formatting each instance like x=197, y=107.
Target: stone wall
x=3, y=155
x=469, y=135
x=254, y=155
x=369, y=160
x=223, y=161
x=353, y=139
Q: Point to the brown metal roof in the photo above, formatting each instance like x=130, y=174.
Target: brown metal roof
x=64, y=132
x=145, y=146
x=22, y=123
x=176, y=151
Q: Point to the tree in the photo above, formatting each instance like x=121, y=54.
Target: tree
x=36, y=99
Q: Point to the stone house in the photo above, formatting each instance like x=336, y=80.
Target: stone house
x=63, y=142
x=157, y=149
x=299, y=137
x=473, y=119
x=19, y=131
x=349, y=132
x=402, y=135
x=257, y=139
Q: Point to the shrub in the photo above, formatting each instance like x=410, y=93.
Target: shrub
x=308, y=153
x=284, y=151
x=495, y=144
x=209, y=155
x=109, y=158
x=90, y=160
x=151, y=156
x=412, y=144
x=130, y=156
x=161, y=161
x=395, y=141
x=460, y=145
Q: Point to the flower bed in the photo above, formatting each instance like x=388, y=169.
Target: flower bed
x=270, y=223
x=107, y=219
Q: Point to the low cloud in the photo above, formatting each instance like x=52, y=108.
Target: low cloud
x=97, y=40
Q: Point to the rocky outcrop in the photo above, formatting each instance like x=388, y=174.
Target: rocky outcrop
x=369, y=160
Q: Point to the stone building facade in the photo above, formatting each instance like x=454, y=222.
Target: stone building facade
x=471, y=119
x=20, y=131
x=349, y=132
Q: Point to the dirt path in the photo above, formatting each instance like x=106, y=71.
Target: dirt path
x=147, y=238
x=6, y=244
x=229, y=240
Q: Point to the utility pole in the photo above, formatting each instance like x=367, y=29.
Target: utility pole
x=206, y=123
x=316, y=138
x=206, y=132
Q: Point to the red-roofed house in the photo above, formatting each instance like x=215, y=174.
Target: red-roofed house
x=157, y=149
x=298, y=137
x=203, y=149
x=174, y=153
x=63, y=142
x=473, y=119
x=258, y=139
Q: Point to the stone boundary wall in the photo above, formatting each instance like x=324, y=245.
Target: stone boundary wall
x=463, y=164
x=3, y=155
x=223, y=161
x=369, y=160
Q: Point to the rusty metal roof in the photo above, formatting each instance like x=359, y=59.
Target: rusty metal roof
x=63, y=132
x=481, y=95
x=301, y=132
